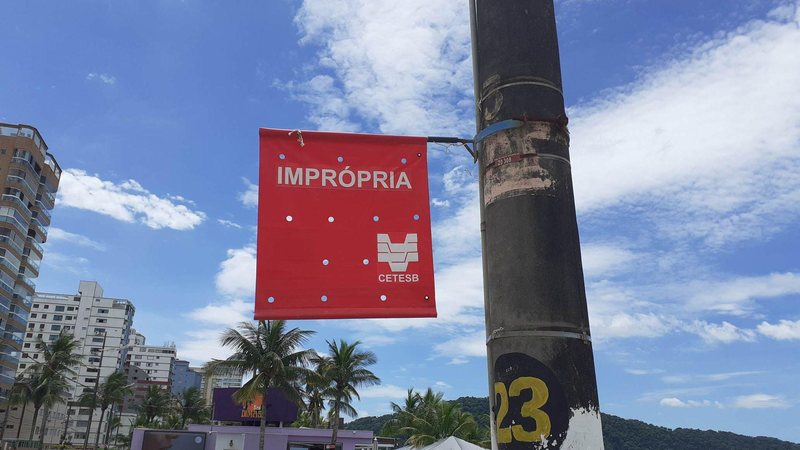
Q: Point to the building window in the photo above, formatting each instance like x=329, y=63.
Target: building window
x=58, y=317
x=68, y=318
x=59, y=308
x=35, y=305
x=102, y=320
x=102, y=311
x=97, y=339
x=27, y=345
x=55, y=327
x=33, y=316
x=100, y=330
x=44, y=316
x=53, y=337
x=46, y=306
x=70, y=308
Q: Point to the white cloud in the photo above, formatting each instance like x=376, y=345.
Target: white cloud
x=760, y=401
x=75, y=265
x=235, y=284
x=237, y=275
x=102, y=77
x=404, y=66
x=736, y=296
x=674, y=402
x=604, y=259
x=229, y=313
x=203, y=345
x=249, y=197
x=785, y=330
x=229, y=224
x=460, y=347
x=127, y=201
x=675, y=132
x=388, y=391
x=640, y=372
x=724, y=376
x=57, y=234
x=724, y=333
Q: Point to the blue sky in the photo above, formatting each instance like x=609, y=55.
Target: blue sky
x=685, y=122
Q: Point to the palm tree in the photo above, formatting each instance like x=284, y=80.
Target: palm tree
x=25, y=394
x=46, y=393
x=314, y=394
x=156, y=403
x=403, y=414
x=273, y=354
x=48, y=377
x=443, y=420
x=110, y=392
x=345, y=367
x=192, y=406
x=17, y=396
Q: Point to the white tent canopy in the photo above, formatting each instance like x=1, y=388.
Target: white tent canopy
x=449, y=443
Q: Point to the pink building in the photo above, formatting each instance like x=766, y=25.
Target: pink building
x=213, y=437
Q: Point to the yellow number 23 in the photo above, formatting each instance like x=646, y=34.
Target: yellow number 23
x=529, y=409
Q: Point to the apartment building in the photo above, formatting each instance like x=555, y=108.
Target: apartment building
x=29, y=177
x=185, y=377
x=147, y=365
x=103, y=325
x=211, y=381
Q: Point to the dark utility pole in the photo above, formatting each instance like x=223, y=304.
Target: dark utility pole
x=541, y=368
x=94, y=395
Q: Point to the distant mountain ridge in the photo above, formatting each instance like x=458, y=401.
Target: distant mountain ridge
x=624, y=434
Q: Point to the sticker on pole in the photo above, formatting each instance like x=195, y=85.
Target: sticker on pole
x=344, y=227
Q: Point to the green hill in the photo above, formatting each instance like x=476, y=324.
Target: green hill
x=624, y=434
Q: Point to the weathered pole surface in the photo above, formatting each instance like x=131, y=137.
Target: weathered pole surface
x=543, y=391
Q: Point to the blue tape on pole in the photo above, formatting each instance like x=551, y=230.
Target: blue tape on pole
x=496, y=128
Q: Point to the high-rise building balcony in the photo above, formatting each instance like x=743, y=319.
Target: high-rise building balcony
x=40, y=229
x=26, y=282
x=33, y=244
x=47, y=199
x=16, y=180
x=7, y=241
x=13, y=200
x=24, y=299
x=44, y=210
x=32, y=265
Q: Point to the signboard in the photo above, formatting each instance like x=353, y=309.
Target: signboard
x=343, y=227
x=173, y=440
x=278, y=408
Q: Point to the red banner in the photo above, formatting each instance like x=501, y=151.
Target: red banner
x=344, y=228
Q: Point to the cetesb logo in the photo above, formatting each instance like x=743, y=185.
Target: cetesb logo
x=398, y=255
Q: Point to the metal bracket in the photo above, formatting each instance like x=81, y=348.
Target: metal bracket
x=455, y=140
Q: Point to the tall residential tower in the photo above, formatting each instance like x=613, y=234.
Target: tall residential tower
x=29, y=177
